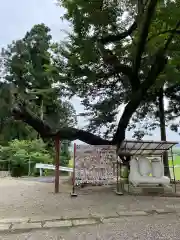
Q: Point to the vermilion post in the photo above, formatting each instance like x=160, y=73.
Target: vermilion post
x=57, y=161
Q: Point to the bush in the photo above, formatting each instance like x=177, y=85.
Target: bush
x=20, y=153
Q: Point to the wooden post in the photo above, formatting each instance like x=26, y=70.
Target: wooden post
x=57, y=159
x=118, y=183
x=73, y=194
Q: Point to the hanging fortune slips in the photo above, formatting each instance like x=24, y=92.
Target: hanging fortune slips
x=94, y=164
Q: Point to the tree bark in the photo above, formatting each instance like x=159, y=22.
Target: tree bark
x=163, y=130
x=21, y=112
x=156, y=68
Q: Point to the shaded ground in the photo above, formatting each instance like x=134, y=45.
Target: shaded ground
x=23, y=198
x=139, y=228
x=40, y=179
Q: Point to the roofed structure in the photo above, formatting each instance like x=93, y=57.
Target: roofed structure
x=134, y=147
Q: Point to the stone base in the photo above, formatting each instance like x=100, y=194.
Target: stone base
x=152, y=190
x=73, y=194
x=119, y=193
x=149, y=190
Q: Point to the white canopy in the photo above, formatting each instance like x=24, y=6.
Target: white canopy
x=133, y=147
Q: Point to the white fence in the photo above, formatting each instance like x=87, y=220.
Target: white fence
x=41, y=166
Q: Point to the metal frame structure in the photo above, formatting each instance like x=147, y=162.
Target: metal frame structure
x=133, y=148
x=148, y=149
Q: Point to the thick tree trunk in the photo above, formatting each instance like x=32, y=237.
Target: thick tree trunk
x=156, y=68
x=163, y=130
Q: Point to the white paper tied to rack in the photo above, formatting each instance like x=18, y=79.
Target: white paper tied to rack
x=94, y=164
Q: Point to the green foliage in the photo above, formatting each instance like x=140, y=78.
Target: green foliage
x=176, y=151
x=65, y=153
x=19, y=153
x=146, y=119
x=28, y=72
x=81, y=66
x=95, y=63
x=9, y=129
x=94, y=72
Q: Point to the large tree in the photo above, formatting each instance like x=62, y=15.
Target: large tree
x=28, y=74
x=110, y=59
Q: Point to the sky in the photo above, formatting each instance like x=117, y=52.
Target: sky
x=18, y=16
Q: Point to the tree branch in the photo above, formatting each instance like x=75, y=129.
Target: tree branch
x=156, y=68
x=20, y=112
x=163, y=32
x=84, y=136
x=137, y=97
x=143, y=36
x=170, y=38
x=112, y=61
x=120, y=36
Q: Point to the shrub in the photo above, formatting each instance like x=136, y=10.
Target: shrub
x=20, y=153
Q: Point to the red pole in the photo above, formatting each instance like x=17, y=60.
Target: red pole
x=57, y=160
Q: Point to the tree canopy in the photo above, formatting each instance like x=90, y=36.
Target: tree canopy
x=27, y=74
x=119, y=52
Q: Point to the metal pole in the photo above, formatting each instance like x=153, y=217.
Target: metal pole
x=117, y=176
x=73, y=194
x=173, y=170
x=57, y=159
x=118, y=184
x=29, y=167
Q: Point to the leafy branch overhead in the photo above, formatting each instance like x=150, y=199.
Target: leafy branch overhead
x=117, y=53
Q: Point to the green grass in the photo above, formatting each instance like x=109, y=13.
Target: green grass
x=176, y=169
x=177, y=173
x=176, y=161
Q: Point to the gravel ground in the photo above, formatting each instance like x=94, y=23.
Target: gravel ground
x=139, y=228
x=21, y=198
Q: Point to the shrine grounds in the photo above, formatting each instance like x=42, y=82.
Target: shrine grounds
x=21, y=198
x=30, y=210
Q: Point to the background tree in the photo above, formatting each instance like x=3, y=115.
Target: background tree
x=10, y=129
x=28, y=70
x=20, y=157
x=27, y=73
